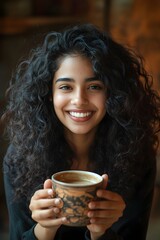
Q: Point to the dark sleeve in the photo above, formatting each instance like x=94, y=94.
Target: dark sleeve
x=134, y=222
x=21, y=226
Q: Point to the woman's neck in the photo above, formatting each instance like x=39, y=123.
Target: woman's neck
x=80, y=145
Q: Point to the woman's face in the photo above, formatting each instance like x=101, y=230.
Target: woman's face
x=78, y=96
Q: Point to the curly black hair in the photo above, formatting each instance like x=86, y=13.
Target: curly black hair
x=126, y=140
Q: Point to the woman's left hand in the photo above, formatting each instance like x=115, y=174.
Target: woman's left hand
x=105, y=212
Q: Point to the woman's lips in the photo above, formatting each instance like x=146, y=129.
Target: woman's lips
x=80, y=116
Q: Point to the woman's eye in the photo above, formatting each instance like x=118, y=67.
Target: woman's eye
x=95, y=87
x=65, y=87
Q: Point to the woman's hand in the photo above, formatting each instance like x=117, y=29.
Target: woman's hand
x=44, y=208
x=105, y=212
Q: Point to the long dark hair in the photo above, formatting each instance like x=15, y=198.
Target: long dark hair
x=126, y=135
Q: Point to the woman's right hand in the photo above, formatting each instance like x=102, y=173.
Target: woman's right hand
x=45, y=209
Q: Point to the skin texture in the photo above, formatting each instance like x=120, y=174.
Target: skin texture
x=79, y=102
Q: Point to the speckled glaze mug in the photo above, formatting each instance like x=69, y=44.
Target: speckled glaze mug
x=76, y=189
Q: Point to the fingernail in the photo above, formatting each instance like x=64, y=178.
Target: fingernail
x=90, y=214
x=64, y=219
x=50, y=192
x=56, y=210
x=91, y=205
x=57, y=201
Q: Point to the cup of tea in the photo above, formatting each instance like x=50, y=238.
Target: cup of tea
x=76, y=189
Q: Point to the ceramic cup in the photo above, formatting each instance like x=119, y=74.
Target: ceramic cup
x=76, y=189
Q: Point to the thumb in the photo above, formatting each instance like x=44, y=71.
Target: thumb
x=47, y=184
x=105, y=181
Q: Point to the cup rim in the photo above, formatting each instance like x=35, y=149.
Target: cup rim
x=99, y=178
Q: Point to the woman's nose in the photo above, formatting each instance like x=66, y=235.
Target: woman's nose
x=79, y=98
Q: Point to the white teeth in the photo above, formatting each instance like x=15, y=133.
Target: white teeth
x=80, y=114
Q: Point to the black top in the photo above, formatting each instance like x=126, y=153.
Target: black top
x=132, y=225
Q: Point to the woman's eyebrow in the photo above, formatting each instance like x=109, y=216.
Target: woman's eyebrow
x=90, y=79
x=66, y=79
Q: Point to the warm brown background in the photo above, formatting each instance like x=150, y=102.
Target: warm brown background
x=23, y=24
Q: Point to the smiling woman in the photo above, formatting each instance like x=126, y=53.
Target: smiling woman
x=81, y=101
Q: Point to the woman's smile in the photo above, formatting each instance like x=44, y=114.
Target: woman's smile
x=81, y=116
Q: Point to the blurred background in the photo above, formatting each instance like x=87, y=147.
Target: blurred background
x=23, y=25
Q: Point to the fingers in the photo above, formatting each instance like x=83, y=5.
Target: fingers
x=46, y=208
x=108, y=200
x=47, y=184
x=45, y=203
x=40, y=215
x=53, y=222
x=107, y=205
x=105, y=181
x=48, y=217
x=108, y=195
x=109, y=213
x=43, y=193
x=42, y=199
x=105, y=211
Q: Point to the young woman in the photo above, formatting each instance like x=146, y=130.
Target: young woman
x=81, y=101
